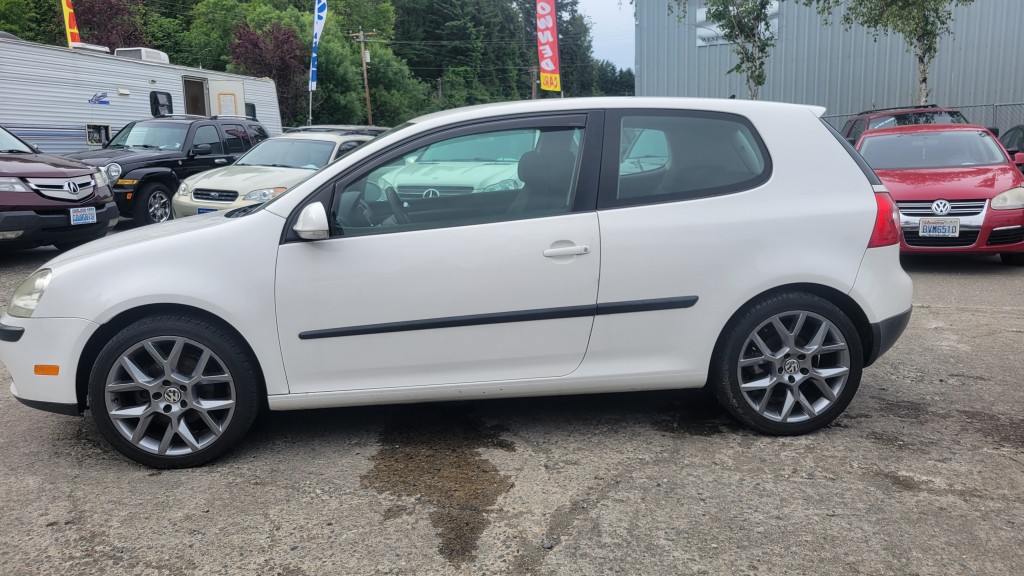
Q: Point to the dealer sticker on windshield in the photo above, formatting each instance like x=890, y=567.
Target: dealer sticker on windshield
x=939, y=227
x=84, y=215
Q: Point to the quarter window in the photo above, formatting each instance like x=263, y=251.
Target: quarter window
x=237, y=139
x=485, y=177
x=679, y=156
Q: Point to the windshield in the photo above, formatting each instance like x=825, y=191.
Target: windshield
x=506, y=146
x=919, y=150
x=289, y=153
x=914, y=118
x=11, y=145
x=153, y=135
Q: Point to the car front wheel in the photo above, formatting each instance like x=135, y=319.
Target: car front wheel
x=153, y=204
x=173, y=391
x=789, y=365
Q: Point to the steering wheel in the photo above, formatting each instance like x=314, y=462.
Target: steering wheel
x=397, y=209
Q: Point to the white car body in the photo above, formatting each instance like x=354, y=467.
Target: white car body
x=808, y=226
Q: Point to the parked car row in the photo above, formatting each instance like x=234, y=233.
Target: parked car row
x=154, y=170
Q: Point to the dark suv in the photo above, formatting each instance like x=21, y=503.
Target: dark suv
x=903, y=116
x=147, y=160
x=49, y=200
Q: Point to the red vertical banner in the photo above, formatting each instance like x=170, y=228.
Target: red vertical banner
x=547, y=46
x=70, y=25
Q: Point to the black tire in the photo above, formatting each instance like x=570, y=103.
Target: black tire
x=112, y=388
x=1012, y=258
x=153, y=204
x=738, y=343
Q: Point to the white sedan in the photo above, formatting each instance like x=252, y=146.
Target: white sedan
x=758, y=255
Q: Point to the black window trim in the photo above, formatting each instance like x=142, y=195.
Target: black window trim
x=585, y=200
x=607, y=196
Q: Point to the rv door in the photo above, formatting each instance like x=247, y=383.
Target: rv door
x=227, y=97
x=195, y=96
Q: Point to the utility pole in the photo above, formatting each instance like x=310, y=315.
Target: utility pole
x=361, y=36
x=533, y=82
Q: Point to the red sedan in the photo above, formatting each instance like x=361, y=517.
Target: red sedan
x=957, y=188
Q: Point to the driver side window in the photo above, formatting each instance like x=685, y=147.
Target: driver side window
x=208, y=135
x=465, y=180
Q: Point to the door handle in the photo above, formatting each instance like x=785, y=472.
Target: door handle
x=221, y=161
x=567, y=251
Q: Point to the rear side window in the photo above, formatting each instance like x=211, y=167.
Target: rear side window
x=667, y=156
x=258, y=133
x=237, y=139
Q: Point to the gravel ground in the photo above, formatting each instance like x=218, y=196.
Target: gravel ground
x=922, y=475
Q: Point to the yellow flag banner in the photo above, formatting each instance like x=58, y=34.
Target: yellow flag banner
x=70, y=25
x=547, y=46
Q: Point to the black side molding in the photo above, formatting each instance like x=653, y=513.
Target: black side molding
x=506, y=317
x=884, y=334
x=56, y=407
x=10, y=333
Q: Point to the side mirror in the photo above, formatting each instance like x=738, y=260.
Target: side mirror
x=1018, y=158
x=201, y=149
x=312, y=223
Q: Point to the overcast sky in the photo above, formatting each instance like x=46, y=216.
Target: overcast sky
x=613, y=30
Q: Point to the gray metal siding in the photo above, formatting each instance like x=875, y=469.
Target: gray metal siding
x=844, y=70
x=45, y=92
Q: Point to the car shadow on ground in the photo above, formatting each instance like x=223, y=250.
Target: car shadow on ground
x=943, y=264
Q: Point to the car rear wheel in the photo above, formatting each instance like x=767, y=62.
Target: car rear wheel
x=173, y=391
x=788, y=365
x=1012, y=258
x=153, y=204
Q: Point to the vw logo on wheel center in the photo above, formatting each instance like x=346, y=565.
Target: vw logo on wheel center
x=940, y=207
x=172, y=395
x=791, y=367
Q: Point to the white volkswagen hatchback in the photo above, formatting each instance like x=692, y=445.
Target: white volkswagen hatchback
x=747, y=247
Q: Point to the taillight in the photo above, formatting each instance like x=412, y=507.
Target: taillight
x=887, y=222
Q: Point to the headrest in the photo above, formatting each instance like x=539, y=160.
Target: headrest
x=531, y=166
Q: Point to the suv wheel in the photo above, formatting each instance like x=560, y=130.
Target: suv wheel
x=789, y=365
x=153, y=204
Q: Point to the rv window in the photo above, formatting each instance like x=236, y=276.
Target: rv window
x=237, y=138
x=160, y=104
x=250, y=110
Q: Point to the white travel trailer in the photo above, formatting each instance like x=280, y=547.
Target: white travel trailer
x=64, y=100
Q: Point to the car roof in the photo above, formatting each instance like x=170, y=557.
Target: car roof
x=576, y=105
x=915, y=128
x=907, y=110
x=323, y=136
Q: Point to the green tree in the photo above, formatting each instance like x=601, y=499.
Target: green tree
x=34, y=20
x=745, y=24
x=922, y=23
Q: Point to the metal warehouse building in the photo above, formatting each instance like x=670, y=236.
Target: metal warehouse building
x=844, y=70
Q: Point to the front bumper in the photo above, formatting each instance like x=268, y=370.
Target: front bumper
x=54, y=226
x=183, y=206
x=992, y=232
x=51, y=341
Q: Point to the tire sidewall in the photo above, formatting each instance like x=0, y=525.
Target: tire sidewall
x=236, y=360
x=725, y=381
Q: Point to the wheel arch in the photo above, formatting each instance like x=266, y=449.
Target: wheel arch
x=842, y=301
x=107, y=331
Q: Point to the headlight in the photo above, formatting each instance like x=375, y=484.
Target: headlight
x=101, y=179
x=113, y=170
x=264, y=194
x=1012, y=199
x=13, y=185
x=509, y=184
x=184, y=190
x=27, y=296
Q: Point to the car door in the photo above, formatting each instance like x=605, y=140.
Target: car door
x=486, y=271
x=205, y=133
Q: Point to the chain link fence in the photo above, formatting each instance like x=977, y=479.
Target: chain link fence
x=1001, y=116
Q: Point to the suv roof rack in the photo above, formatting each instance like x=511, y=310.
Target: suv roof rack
x=232, y=116
x=186, y=116
x=918, y=107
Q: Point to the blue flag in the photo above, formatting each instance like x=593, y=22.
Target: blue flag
x=319, y=17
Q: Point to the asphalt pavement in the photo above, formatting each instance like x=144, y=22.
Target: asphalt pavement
x=921, y=476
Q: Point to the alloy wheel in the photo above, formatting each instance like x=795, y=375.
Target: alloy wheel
x=159, y=206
